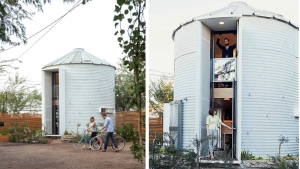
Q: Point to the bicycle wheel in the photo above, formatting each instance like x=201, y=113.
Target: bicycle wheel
x=79, y=142
x=120, y=142
x=96, y=143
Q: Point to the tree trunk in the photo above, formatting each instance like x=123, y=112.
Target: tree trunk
x=279, y=148
x=3, y=105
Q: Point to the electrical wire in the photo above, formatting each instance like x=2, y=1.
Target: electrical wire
x=55, y=22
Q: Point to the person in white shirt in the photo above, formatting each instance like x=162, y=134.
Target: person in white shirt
x=109, y=127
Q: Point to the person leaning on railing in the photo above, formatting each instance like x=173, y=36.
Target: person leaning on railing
x=212, y=123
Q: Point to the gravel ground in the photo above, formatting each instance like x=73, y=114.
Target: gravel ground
x=63, y=155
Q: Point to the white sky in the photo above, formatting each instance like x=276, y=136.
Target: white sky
x=89, y=26
x=166, y=15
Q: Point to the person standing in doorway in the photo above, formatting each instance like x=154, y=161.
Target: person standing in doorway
x=109, y=127
x=212, y=123
x=92, y=128
x=227, y=52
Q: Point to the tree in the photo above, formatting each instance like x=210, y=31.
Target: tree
x=15, y=95
x=25, y=100
x=12, y=13
x=160, y=91
x=124, y=80
x=134, y=45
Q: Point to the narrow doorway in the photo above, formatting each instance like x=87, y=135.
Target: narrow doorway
x=223, y=87
x=55, y=103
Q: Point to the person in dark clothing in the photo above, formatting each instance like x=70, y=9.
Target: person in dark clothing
x=227, y=52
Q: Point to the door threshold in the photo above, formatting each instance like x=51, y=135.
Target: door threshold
x=208, y=161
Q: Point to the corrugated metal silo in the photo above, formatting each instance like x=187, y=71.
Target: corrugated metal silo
x=265, y=101
x=76, y=87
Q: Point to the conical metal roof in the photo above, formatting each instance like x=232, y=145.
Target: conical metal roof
x=78, y=56
x=241, y=8
x=237, y=9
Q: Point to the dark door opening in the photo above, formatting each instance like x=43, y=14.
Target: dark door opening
x=223, y=87
x=55, y=103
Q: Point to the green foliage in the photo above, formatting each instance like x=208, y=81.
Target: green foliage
x=164, y=153
x=259, y=158
x=246, y=155
x=138, y=151
x=161, y=91
x=123, y=88
x=126, y=130
x=287, y=162
x=15, y=96
x=134, y=46
x=24, y=134
x=134, y=49
x=12, y=13
x=5, y=131
x=67, y=133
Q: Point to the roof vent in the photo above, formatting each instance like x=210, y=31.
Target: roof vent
x=77, y=49
x=238, y=3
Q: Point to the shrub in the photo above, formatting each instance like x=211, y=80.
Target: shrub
x=67, y=133
x=24, y=134
x=245, y=155
x=4, y=131
x=126, y=130
x=288, y=162
x=138, y=151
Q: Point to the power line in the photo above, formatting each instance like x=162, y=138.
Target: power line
x=161, y=75
x=159, y=71
x=56, y=21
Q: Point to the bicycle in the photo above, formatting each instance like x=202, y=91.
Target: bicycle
x=79, y=141
x=97, y=141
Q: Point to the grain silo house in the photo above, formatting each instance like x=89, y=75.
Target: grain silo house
x=254, y=90
x=74, y=88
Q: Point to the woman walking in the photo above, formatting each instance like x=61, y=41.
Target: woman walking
x=92, y=128
x=212, y=123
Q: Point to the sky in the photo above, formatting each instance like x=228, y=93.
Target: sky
x=89, y=26
x=166, y=15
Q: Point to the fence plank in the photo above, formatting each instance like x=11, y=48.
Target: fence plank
x=155, y=124
x=30, y=119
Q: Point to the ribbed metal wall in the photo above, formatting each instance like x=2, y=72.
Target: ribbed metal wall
x=204, y=80
x=88, y=87
x=185, y=78
x=269, y=86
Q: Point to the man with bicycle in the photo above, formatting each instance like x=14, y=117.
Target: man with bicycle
x=109, y=127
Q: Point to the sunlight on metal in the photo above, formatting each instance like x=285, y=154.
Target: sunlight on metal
x=221, y=23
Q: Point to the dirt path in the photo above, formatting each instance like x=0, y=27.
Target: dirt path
x=63, y=155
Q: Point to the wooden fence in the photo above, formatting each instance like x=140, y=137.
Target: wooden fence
x=30, y=119
x=155, y=124
x=129, y=116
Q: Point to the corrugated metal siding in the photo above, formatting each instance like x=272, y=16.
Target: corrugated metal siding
x=269, y=86
x=88, y=88
x=47, y=102
x=205, y=79
x=185, y=75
